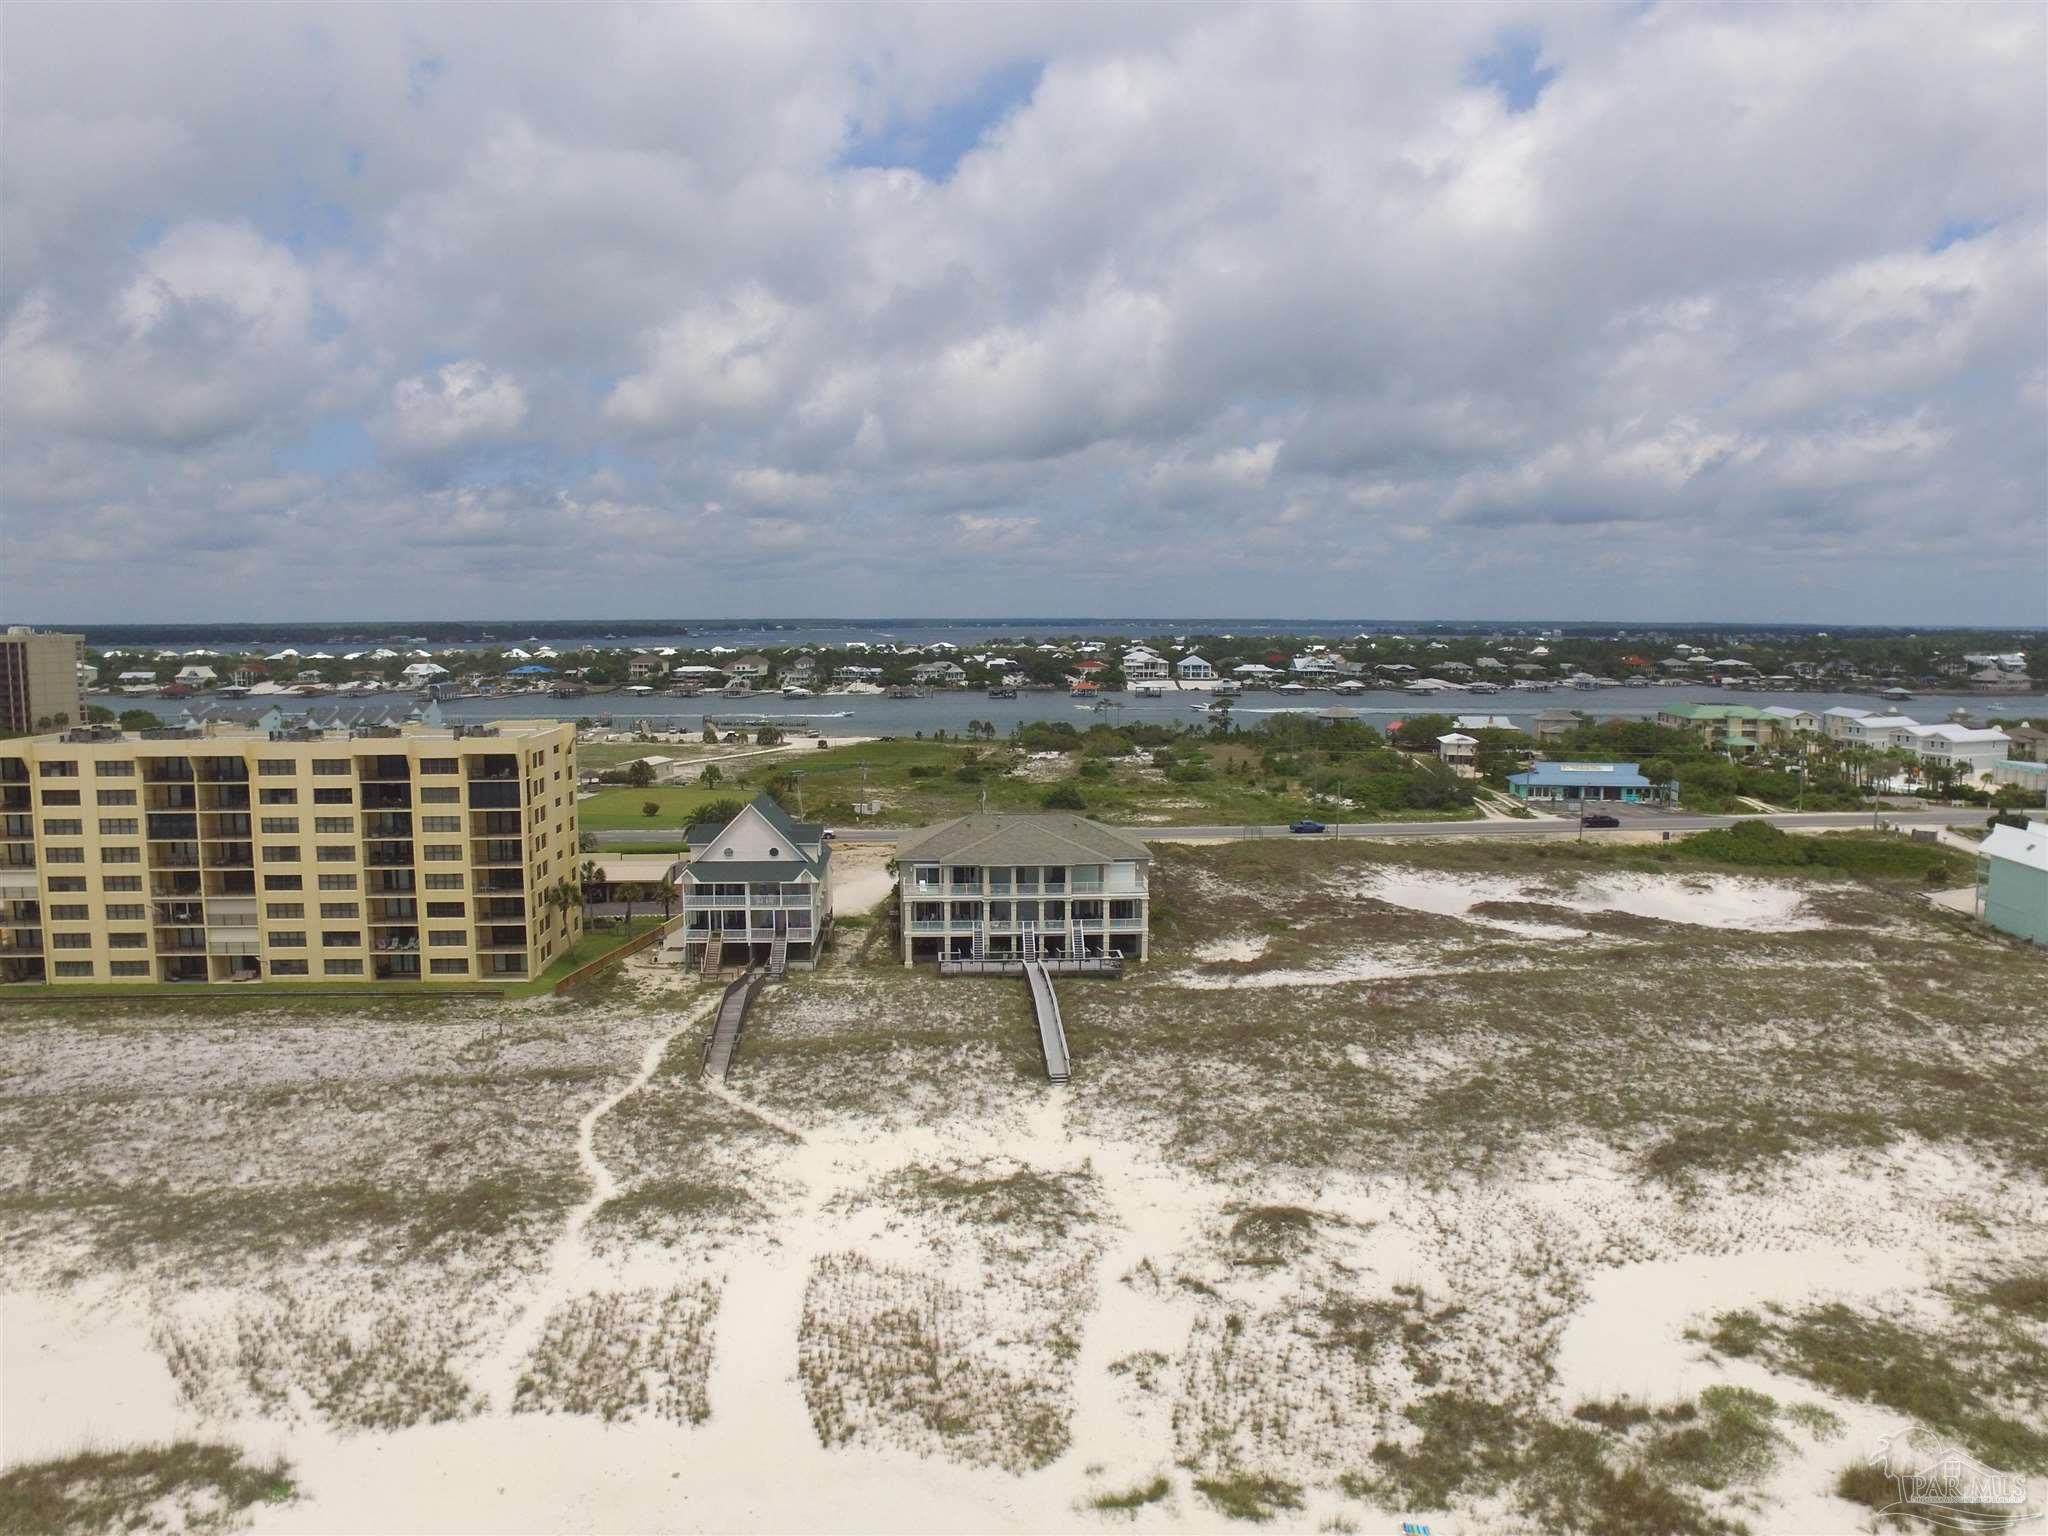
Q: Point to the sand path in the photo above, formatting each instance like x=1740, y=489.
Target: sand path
x=570, y=1263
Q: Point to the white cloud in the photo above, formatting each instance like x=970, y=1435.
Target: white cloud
x=459, y=406
x=1291, y=266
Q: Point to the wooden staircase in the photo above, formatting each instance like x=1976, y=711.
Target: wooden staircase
x=714, y=955
x=778, y=958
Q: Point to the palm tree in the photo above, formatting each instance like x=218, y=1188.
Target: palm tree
x=629, y=893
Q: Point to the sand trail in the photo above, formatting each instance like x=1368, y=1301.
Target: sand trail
x=571, y=1265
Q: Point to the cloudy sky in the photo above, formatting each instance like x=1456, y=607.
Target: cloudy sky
x=1654, y=311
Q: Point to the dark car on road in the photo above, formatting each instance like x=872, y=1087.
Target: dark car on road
x=1305, y=825
x=1597, y=819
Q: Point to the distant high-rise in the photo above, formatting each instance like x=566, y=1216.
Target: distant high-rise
x=39, y=680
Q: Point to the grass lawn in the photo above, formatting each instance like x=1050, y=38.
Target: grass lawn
x=919, y=782
x=590, y=945
x=618, y=809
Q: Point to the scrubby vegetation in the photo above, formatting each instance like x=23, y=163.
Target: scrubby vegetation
x=193, y=1485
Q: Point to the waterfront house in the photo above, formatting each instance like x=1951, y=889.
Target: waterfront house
x=760, y=883
x=938, y=674
x=748, y=667
x=1458, y=751
x=1970, y=752
x=1799, y=722
x=1553, y=724
x=1835, y=723
x=1009, y=886
x=1578, y=783
x=2012, y=881
x=1727, y=727
x=2029, y=742
x=1143, y=666
x=1193, y=669
x=1311, y=667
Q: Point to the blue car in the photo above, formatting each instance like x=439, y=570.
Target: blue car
x=1305, y=825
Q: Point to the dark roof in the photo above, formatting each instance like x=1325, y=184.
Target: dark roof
x=751, y=869
x=799, y=834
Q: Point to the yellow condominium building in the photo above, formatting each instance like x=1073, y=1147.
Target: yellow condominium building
x=386, y=853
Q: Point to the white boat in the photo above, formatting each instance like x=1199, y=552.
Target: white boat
x=793, y=691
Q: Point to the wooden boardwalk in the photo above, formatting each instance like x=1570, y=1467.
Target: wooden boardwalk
x=732, y=1017
x=1104, y=965
x=1052, y=1034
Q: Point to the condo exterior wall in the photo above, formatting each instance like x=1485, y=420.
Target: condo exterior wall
x=39, y=679
x=415, y=856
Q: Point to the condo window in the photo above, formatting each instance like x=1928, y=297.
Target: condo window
x=439, y=765
x=116, y=883
x=128, y=941
x=52, y=769
x=127, y=912
x=449, y=967
x=64, y=855
x=334, y=824
x=342, y=967
x=119, y=826
x=287, y=911
x=284, y=883
x=443, y=851
x=71, y=941
x=280, y=823
x=288, y=968
x=120, y=855
x=281, y=853
x=66, y=885
x=334, y=797
x=337, y=882
x=128, y=968
x=440, y=823
x=67, y=827
x=52, y=797
x=445, y=909
x=339, y=909
x=74, y=968
x=288, y=938
x=115, y=796
x=278, y=796
x=335, y=853
x=444, y=882
x=446, y=938
x=330, y=767
x=275, y=767
x=68, y=913
x=342, y=938
x=114, y=768
x=444, y=794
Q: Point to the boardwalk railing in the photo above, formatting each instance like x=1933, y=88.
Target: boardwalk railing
x=732, y=1017
x=1052, y=1034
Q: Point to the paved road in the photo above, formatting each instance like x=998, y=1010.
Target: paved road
x=1631, y=821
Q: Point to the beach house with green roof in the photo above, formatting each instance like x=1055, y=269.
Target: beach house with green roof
x=757, y=890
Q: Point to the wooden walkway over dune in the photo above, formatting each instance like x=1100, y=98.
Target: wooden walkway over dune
x=1052, y=1034
x=732, y=1017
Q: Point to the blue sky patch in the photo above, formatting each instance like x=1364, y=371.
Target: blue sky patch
x=1513, y=68
x=935, y=144
x=1955, y=231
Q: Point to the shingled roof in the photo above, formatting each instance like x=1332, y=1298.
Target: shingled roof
x=995, y=838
